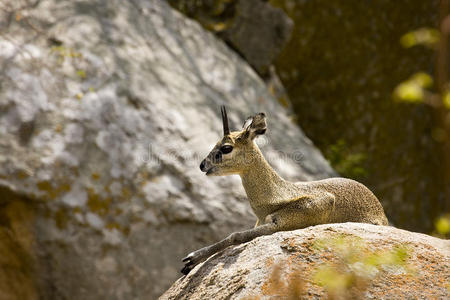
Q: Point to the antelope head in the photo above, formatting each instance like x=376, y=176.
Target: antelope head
x=233, y=153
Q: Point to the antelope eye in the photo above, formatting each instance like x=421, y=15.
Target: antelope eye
x=226, y=149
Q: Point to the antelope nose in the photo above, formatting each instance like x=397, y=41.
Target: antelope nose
x=202, y=165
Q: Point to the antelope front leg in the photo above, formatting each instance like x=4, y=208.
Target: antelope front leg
x=195, y=257
x=235, y=238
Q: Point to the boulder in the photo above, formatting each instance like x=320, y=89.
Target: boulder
x=258, y=32
x=254, y=28
x=106, y=110
x=341, y=261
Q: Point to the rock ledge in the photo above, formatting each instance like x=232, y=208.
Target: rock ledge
x=289, y=264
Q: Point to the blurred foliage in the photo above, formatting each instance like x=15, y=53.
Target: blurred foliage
x=345, y=162
x=446, y=100
x=340, y=69
x=423, y=36
x=356, y=265
x=283, y=283
x=348, y=266
x=442, y=225
x=413, y=89
x=214, y=15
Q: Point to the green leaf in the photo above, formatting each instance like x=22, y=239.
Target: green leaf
x=446, y=100
x=422, y=36
x=422, y=79
x=409, y=91
x=443, y=224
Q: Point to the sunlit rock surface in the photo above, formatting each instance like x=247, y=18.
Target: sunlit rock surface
x=373, y=262
x=106, y=110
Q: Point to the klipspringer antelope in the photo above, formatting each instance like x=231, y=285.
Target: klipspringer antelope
x=280, y=205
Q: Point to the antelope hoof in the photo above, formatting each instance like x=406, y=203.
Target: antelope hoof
x=186, y=269
x=191, y=261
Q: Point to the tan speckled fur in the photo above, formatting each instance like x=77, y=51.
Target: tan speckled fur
x=278, y=204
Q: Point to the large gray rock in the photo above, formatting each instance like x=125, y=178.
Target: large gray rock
x=106, y=109
x=338, y=261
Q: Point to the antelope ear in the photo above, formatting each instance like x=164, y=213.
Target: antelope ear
x=247, y=123
x=255, y=126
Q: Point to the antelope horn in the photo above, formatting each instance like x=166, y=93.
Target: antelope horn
x=226, y=129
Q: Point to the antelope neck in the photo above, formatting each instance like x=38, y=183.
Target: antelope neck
x=261, y=183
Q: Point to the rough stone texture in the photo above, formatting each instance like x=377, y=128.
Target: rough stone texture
x=106, y=110
x=258, y=32
x=254, y=28
x=248, y=271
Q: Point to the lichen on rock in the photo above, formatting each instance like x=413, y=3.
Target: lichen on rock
x=106, y=109
x=339, y=261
